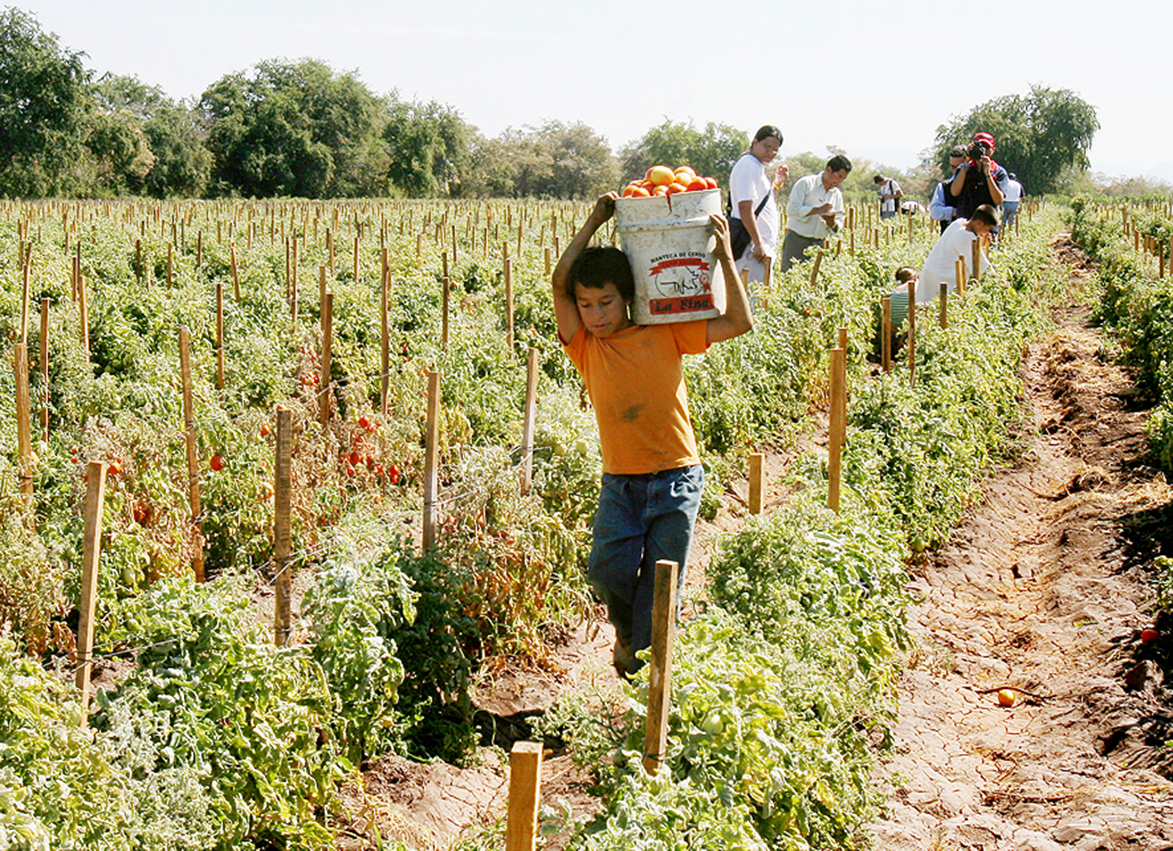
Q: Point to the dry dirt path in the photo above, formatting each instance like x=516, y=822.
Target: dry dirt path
x=1040, y=589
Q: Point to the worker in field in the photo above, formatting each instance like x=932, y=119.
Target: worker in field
x=941, y=207
x=814, y=209
x=979, y=179
x=890, y=195
x=753, y=207
x=940, y=267
x=1011, y=200
x=652, y=475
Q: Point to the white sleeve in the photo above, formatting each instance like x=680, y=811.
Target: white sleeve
x=741, y=184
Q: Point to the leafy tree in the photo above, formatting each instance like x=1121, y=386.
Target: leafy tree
x=183, y=164
x=119, y=154
x=171, y=160
x=556, y=160
x=428, y=145
x=711, y=152
x=492, y=171
x=118, y=93
x=1038, y=135
x=44, y=102
x=583, y=165
x=294, y=129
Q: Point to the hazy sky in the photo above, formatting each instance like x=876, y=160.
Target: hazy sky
x=875, y=78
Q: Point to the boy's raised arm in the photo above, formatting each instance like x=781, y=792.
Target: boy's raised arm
x=736, y=319
x=565, y=307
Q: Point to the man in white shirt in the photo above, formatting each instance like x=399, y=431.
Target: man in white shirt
x=815, y=208
x=890, y=195
x=752, y=203
x=941, y=207
x=1011, y=200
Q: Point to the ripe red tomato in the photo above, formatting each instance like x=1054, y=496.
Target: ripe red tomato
x=1147, y=635
x=114, y=467
x=141, y=514
x=393, y=474
x=354, y=459
x=364, y=422
x=712, y=182
x=265, y=429
x=217, y=462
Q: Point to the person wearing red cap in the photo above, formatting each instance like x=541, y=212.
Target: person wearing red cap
x=978, y=180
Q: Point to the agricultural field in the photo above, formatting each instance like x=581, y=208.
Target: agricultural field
x=326, y=515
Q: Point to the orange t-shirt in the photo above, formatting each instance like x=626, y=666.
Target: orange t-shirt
x=636, y=384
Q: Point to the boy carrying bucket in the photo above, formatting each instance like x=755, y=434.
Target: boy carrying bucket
x=652, y=475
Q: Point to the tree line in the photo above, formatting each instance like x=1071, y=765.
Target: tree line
x=302, y=129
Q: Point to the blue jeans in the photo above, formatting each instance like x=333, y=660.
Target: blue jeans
x=1009, y=212
x=641, y=520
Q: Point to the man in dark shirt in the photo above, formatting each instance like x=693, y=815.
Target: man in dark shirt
x=979, y=180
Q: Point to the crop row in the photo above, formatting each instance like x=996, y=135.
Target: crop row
x=389, y=636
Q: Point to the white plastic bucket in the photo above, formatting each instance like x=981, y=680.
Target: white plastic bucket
x=668, y=241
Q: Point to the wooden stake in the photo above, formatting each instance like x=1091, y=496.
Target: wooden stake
x=293, y=286
x=24, y=435
x=525, y=787
x=327, y=355
x=235, y=275
x=91, y=550
x=444, y=319
x=431, y=452
x=944, y=298
x=24, y=301
x=219, y=334
x=660, y=666
x=838, y=429
x=977, y=259
x=385, y=335
x=912, y=332
x=755, y=482
x=815, y=268
x=282, y=536
x=509, y=304
x=886, y=334
x=193, y=461
x=45, y=368
x=530, y=422
x=83, y=303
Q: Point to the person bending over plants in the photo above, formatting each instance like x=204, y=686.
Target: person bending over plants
x=940, y=266
x=652, y=475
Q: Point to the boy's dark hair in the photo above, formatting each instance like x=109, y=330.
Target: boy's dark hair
x=905, y=274
x=879, y=178
x=598, y=266
x=988, y=215
x=839, y=163
x=766, y=131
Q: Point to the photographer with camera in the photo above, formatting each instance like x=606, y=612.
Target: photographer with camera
x=979, y=180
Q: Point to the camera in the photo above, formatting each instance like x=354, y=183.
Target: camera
x=977, y=150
